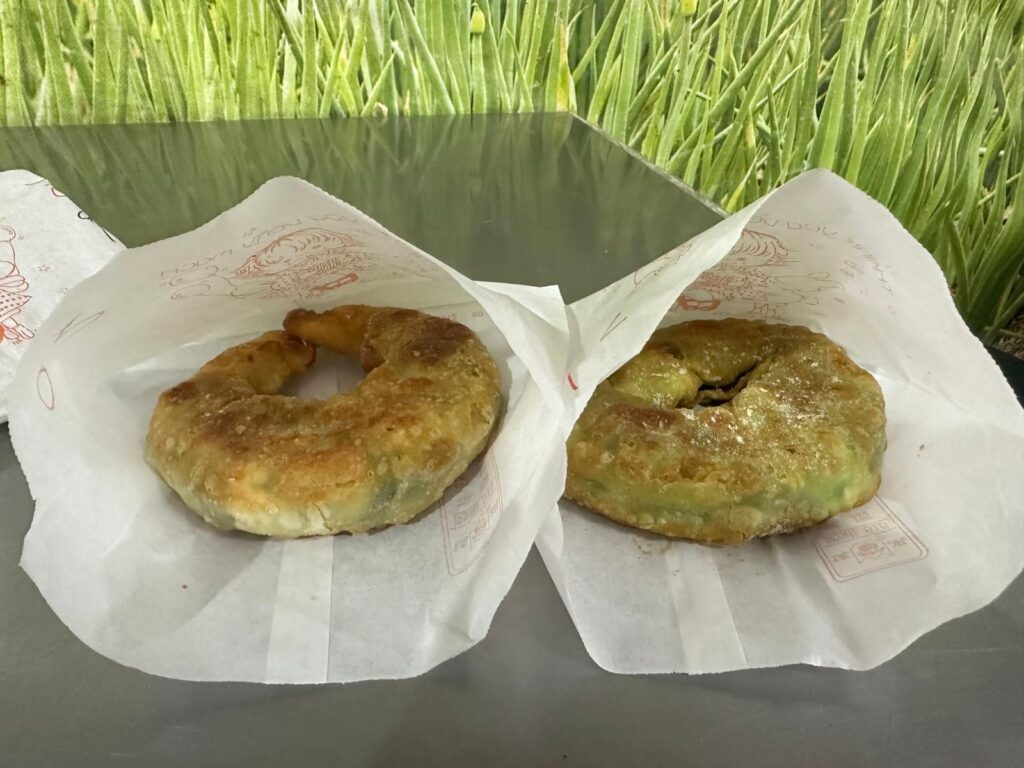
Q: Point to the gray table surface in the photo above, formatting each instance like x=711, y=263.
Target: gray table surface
x=534, y=199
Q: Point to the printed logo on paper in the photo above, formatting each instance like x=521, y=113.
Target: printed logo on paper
x=756, y=274
x=299, y=259
x=470, y=509
x=14, y=291
x=299, y=264
x=865, y=540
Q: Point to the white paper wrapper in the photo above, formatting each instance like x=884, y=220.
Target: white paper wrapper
x=144, y=581
x=944, y=536
x=47, y=245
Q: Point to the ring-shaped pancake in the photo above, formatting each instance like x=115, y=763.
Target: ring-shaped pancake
x=720, y=431
x=244, y=457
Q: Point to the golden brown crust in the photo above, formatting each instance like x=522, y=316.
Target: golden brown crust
x=245, y=457
x=722, y=431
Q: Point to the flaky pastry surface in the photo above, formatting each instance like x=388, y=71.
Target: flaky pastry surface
x=244, y=457
x=725, y=430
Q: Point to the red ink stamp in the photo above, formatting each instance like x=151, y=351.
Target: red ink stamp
x=698, y=300
x=470, y=509
x=866, y=540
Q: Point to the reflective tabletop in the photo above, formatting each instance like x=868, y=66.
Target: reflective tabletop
x=531, y=199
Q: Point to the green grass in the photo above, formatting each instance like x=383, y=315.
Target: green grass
x=918, y=102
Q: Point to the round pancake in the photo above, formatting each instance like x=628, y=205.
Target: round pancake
x=245, y=457
x=721, y=431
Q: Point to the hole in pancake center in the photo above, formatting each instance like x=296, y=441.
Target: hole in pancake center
x=330, y=374
x=711, y=395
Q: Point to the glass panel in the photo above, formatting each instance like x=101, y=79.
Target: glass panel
x=534, y=199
